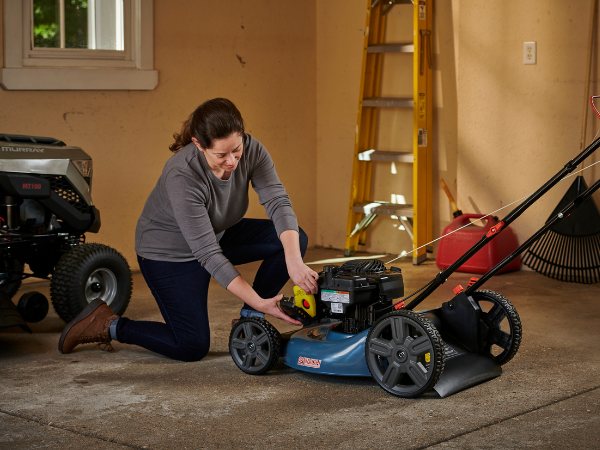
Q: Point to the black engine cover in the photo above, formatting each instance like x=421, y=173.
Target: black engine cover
x=358, y=282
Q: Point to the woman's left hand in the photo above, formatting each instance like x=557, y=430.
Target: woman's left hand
x=303, y=277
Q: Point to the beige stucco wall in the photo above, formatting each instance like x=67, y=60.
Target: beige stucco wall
x=519, y=124
x=501, y=128
x=197, y=51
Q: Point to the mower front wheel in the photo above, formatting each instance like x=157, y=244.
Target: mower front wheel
x=404, y=353
x=254, y=345
x=89, y=272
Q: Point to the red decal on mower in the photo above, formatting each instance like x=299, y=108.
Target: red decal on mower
x=31, y=186
x=309, y=362
x=472, y=281
x=458, y=289
x=398, y=305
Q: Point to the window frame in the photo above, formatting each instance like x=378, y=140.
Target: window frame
x=44, y=57
x=27, y=68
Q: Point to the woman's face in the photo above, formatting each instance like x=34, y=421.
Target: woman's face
x=225, y=153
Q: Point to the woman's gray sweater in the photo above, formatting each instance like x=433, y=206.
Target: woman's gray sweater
x=190, y=208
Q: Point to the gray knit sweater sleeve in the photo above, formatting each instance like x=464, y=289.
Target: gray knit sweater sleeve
x=272, y=194
x=188, y=200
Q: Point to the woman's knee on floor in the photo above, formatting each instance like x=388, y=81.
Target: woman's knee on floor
x=303, y=241
x=194, y=350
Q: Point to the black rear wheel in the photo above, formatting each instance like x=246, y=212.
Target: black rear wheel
x=404, y=353
x=501, y=325
x=88, y=272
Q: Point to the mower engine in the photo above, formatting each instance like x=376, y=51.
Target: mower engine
x=353, y=294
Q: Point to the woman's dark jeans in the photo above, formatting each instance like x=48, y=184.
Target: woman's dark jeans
x=181, y=291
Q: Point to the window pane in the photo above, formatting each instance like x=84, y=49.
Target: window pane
x=46, y=27
x=88, y=24
x=76, y=23
x=106, y=28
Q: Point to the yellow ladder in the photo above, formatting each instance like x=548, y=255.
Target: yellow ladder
x=416, y=218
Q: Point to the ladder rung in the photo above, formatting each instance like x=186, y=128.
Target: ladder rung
x=384, y=209
x=395, y=2
x=391, y=48
x=388, y=102
x=379, y=155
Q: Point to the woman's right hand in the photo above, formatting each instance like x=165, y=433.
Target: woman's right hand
x=269, y=306
x=242, y=290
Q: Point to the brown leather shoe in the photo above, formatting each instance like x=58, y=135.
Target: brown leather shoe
x=91, y=325
x=234, y=322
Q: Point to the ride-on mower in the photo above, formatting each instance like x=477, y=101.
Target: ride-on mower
x=45, y=210
x=358, y=324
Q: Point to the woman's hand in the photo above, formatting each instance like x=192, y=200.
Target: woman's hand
x=303, y=276
x=269, y=306
x=242, y=289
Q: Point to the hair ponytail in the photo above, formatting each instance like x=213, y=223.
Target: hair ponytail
x=214, y=119
x=184, y=137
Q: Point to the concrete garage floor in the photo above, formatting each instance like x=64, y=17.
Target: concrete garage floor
x=547, y=397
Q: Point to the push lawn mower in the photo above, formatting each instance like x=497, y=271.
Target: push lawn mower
x=354, y=327
x=45, y=210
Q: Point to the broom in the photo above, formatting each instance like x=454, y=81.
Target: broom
x=570, y=251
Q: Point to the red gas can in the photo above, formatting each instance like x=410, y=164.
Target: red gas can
x=455, y=245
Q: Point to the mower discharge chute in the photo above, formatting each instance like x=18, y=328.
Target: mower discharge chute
x=353, y=327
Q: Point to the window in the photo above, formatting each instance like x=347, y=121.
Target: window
x=78, y=44
x=82, y=24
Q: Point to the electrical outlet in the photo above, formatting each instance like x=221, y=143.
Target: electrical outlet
x=529, y=53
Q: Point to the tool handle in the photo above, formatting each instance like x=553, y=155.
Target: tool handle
x=449, y=195
x=588, y=69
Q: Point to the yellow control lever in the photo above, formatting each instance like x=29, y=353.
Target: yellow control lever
x=305, y=301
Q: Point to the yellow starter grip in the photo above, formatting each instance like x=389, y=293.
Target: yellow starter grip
x=300, y=296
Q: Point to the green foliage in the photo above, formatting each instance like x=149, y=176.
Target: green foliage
x=45, y=24
x=46, y=27
x=76, y=25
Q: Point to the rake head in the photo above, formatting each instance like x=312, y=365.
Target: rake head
x=570, y=251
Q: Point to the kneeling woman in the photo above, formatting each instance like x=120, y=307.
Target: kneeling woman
x=192, y=228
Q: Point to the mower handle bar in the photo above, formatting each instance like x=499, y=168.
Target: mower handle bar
x=497, y=229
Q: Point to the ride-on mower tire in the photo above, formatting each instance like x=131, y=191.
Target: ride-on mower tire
x=88, y=272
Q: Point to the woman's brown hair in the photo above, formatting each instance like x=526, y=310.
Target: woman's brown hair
x=214, y=119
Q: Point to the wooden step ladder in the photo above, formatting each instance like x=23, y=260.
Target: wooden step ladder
x=416, y=218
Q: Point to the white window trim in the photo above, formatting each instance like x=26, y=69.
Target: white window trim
x=77, y=69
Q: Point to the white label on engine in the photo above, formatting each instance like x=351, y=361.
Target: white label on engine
x=337, y=308
x=335, y=296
